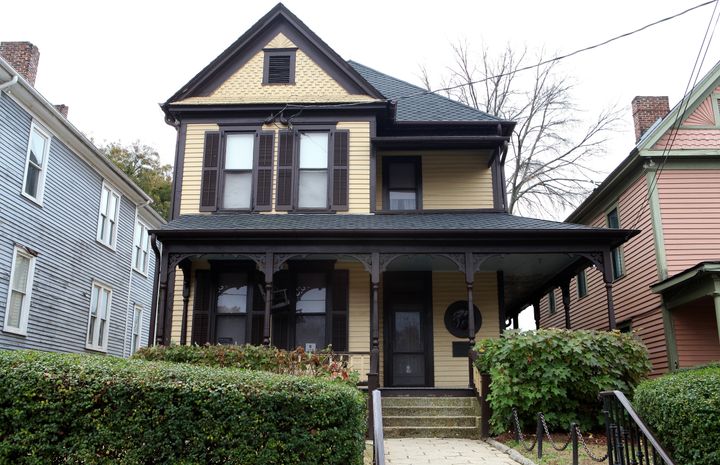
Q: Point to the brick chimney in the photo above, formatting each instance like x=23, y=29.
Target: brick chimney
x=23, y=56
x=647, y=110
x=63, y=109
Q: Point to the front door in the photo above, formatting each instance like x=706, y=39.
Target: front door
x=408, y=344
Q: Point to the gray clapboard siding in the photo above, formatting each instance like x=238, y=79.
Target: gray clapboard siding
x=63, y=231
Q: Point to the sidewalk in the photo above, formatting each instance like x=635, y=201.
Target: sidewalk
x=420, y=451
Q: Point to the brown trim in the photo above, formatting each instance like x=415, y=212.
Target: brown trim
x=417, y=161
x=426, y=392
x=373, y=167
x=440, y=141
x=432, y=211
x=209, y=177
x=269, y=52
x=178, y=171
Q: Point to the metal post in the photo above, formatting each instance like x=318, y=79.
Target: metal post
x=269, y=269
x=574, y=436
x=156, y=289
x=185, y=266
x=539, y=436
x=565, y=289
x=469, y=279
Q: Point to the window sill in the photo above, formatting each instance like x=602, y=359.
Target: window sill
x=141, y=273
x=107, y=246
x=15, y=331
x=96, y=349
x=37, y=201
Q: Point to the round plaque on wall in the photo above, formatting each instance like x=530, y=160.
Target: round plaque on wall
x=456, y=318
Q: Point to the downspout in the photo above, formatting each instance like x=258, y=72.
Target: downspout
x=10, y=83
x=156, y=285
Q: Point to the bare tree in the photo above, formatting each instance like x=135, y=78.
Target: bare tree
x=551, y=153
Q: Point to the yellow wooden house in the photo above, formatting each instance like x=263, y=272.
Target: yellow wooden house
x=320, y=202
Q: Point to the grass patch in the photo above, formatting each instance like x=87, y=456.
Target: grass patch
x=596, y=444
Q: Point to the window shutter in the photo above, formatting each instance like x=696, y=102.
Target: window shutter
x=264, y=177
x=286, y=155
x=201, y=306
x=208, y=189
x=340, y=165
x=340, y=304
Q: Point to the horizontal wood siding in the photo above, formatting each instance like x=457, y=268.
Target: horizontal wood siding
x=631, y=293
x=690, y=216
x=696, y=333
x=458, y=179
x=63, y=231
x=359, y=174
x=359, y=296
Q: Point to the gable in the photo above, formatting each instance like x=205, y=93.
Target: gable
x=313, y=83
x=236, y=75
x=704, y=114
x=698, y=130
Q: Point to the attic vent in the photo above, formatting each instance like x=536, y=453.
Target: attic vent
x=279, y=67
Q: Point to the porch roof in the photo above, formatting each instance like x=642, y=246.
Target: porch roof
x=474, y=223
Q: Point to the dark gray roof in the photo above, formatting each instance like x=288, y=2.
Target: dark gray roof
x=422, y=106
x=481, y=222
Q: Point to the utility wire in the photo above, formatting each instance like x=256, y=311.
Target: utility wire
x=682, y=107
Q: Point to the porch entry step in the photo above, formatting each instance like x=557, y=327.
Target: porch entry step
x=431, y=417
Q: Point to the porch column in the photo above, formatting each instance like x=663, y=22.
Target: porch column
x=469, y=280
x=536, y=313
x=716, y=299
x=269, y=269
x=185, y=266
x=565, y=288
x=374, y=374
x=162, y=299
x=516, y=322
x=169, y=306
x=607, y=278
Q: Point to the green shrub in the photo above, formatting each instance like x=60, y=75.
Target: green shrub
x=274, y=360
x=79, y=409
x=559, y=373
x=683, y=409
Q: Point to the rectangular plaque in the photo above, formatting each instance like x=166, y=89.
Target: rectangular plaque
x=460, y=348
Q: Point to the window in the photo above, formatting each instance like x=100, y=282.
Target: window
x=310, y=310
x=279, y=66
x=551, y=301
x=108, y=217
x=238, y=171
x=581, y=284
x=98, y=321
x=19, y=292
x=313, y=170
x=141, y=248
x=36, y=164
x=231, y=308
x=613, y=221
x=625, y=326
x=136, y=329
x=402, y=183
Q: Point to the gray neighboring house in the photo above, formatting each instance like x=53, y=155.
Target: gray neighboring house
x=76, y=268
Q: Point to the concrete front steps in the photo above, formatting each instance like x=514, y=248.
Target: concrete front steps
x=431, y=417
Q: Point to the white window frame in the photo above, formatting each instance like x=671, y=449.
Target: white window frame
x=34, y=127
x=141, y=248
x=93, y=343
x=136, y=332
x=101, y=218
x=25, y=309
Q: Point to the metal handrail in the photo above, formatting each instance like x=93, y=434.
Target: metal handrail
x=378, y=438
x=619, y=431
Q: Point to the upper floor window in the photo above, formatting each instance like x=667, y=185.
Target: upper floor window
x=19, y=292
x=581, y=284
x=238, y=171
x=313, y=170
x=108, y=216
x=279, y=66
x=136, y=329
x=401, y=179
x=141, y=248
x=36, y=164
x=98, y=320
x=551, y=302
x=613, y=221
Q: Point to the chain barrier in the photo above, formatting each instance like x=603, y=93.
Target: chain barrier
x=550, y=439
x=519, y=434
x=587, y=449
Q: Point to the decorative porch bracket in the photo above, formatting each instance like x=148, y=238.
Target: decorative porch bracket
x=603, y=261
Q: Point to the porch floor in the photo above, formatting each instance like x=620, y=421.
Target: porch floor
x=420, y=451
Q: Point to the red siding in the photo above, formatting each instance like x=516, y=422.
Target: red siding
x=690, y=216
x=631, y=293
x=696, y=333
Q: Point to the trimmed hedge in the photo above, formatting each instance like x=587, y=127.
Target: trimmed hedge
x=272, y=359
x=559, y=373
x=61, y=408
x=683, y=409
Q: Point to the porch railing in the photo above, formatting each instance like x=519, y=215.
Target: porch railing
x=355, y=361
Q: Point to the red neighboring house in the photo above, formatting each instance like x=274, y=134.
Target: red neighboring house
x=666, y=279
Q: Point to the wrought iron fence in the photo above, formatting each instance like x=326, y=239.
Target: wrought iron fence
x=629, y=440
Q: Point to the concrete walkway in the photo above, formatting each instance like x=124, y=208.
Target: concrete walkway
x=420, y=451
